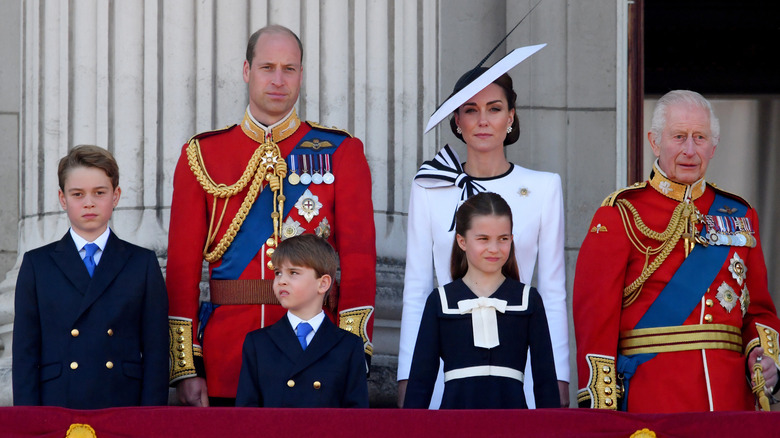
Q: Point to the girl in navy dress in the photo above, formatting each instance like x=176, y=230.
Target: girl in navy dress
x=483, y=323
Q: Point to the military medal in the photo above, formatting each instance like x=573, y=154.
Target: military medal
x=727, y=297
x=305, y=177
x=323, y=229
x=738, y=269
x=328, y=178
x=291, y=228
x=308, y=205
x=316, y=170
x=294, y=178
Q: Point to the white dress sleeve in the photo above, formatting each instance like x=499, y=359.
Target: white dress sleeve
x=418, y=276
x=551, y=275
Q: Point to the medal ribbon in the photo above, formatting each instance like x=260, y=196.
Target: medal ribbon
x=680, y=296
x=258, y=226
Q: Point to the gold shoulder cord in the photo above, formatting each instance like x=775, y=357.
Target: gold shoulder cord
x=684, y=216
x=266, y=164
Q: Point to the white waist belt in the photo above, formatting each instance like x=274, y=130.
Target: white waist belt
x=484, y=370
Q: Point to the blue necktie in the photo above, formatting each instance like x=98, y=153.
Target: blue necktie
x=303, y=330
x=89, y=259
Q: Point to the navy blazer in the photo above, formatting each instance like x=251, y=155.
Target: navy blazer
x=89, y=343
x=277, y=372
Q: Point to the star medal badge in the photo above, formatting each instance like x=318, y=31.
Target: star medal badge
x=727, y=297
x=305, y=176
x=328, y=178
x=291, y=228
x=316, y=170
x=294, y=178
x=308, y=205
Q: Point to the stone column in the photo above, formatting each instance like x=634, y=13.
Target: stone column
x=141, y=77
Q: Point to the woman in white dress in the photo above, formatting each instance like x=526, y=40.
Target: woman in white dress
x=487, y=123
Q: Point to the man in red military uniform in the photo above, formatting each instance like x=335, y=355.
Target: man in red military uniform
x=238, y=192
x=671, y=306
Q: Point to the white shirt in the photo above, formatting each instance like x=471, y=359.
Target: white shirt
x=314, y=323
x=100, y=242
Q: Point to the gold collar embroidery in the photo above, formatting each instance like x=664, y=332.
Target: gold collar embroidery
x=277, y=132
x=674, y=190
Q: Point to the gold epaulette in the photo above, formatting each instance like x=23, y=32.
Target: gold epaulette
x=205, y=134
x=355, y=320
x=329, y=128
x=609, y=201
x=729, y=194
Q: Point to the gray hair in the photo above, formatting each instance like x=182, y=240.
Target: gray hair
x=682, y=97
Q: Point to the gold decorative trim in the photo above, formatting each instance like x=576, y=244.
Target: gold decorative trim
x=78, y=430
x=266, y=164
x=182, y=350
x=674, y=190
x=681, y=338
x=355, y=320
x=609, y=201
x=602, y=384
x=328, y=128
x=768, y=338
x=279, y=130
x=644, y=433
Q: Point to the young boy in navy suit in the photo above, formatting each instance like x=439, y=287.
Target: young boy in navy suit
x=91, y=321
x=303, y=360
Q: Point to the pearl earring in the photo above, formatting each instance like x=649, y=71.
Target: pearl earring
x=458, y=130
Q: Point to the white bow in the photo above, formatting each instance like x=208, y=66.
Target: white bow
x=483, y=319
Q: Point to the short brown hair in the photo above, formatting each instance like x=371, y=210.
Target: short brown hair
x=309, y=251
x=88, y=156
x=271, y=28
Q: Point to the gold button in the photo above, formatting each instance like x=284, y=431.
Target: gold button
x=607, y=380
x=770, y=351
x=270, y=242
x=606, y=369
x=317, y=385
x=291, y=383
x=709, y=302
x=180, y=339
x=770, y=344
x=180, y=330
x=608, y=401
x=182, y=355
x=110, y=332
x=707, y=318
x=180, y=347
x=608, y=390
x=348, y=328
x=766, y=330
x=270, y=265
x=350, y=320
x=74, y=333
x=109, y=364
x=74, y=365
x=182, y=363
x=269, y=252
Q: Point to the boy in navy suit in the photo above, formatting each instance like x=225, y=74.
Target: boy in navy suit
x=91, y=309
x=303, y=360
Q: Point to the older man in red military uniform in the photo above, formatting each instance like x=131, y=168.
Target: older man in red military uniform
x=671, y=307
x=239, y=191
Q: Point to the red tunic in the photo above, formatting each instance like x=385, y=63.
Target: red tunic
x=347, y=206
x=694, y=380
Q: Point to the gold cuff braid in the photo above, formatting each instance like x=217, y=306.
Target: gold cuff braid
x=355, y=320
x=182, y=351
x=767, y=339
x=602, y=389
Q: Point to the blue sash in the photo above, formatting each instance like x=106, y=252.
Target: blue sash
x=681, y=295
x=258, y=226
